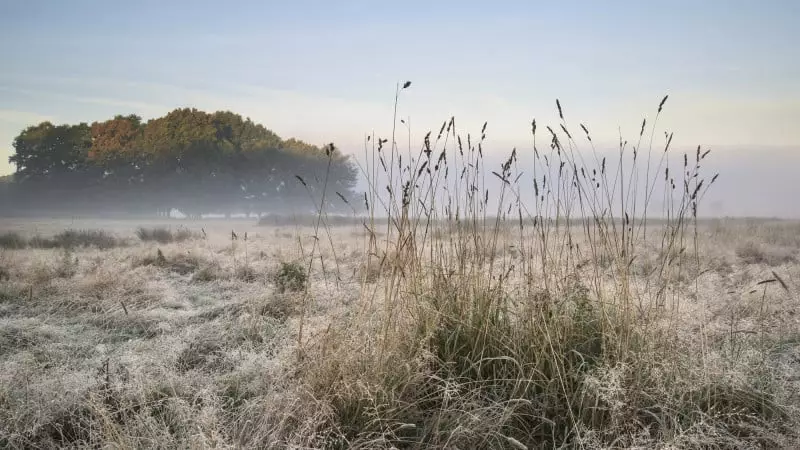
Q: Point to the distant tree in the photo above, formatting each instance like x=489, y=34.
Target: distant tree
x=242, y=135
x=187, y=159
x=116, y=141
x=46, y=151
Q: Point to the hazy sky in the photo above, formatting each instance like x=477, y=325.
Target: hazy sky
x=326, y=71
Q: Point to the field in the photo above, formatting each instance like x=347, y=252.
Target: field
x=593, y=308
x=123, y=341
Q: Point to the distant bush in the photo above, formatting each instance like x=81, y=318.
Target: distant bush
x=163, y=235
x=85, y=238
x=12, y=240
x=66, y=239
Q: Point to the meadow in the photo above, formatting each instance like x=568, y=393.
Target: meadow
x=577, y=322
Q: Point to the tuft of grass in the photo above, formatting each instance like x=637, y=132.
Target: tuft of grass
x=14, y=338
x=291, y=276
x=207, y=274
x=205, y=354
x=753, y=253
x=279, y=307
x=182, y=264
x=246, y=274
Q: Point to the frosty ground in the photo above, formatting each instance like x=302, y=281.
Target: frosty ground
x=193, y=344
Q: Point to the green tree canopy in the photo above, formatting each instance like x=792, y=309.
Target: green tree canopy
x=46, y=151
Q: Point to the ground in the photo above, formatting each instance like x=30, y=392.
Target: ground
x=196, y=344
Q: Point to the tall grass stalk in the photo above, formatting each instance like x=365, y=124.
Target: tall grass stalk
x=523, y=325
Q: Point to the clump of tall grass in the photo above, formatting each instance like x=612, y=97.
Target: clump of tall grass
x=561, y=345
x=164, y=235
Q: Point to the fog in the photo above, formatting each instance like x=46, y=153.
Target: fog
x=751, y=183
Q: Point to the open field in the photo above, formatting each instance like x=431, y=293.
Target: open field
x=199, y=347
x=434, y=226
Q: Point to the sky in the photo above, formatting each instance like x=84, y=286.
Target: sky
x=327, y=71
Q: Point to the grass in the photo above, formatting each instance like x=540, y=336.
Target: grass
x=584, y=319
x=578, y=355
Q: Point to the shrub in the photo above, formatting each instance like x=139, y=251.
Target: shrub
x=182, y=264
x=206, y=274
x=279, y=307
x=290, y=277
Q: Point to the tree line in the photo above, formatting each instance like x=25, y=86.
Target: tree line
x=189, y=160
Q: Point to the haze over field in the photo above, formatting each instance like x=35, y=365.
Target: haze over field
x=325, y=72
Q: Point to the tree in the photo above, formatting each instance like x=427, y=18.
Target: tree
x=187, y=159
x=46, y=151
x=116, y=141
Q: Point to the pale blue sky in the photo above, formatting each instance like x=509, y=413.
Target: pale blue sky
x=325, y=71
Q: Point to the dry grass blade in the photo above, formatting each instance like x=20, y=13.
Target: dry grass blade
x=780, y=280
